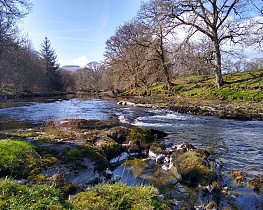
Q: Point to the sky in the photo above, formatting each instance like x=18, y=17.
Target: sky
x=77, y=29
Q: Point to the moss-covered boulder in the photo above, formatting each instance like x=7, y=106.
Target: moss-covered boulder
x=118, y=134
x=118, y=196
x=110, y=147
x=191, y=167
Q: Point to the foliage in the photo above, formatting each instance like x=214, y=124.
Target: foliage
x=18, y=196
x=17, y=157
x=118, y=196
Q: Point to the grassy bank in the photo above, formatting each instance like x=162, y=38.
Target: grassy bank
x=245, y=86
x=240, y=98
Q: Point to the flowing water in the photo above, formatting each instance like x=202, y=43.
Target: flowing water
x=238, y=144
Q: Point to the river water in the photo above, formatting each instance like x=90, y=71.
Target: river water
x=237, y=144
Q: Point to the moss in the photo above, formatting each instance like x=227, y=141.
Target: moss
x=97, y=156
x=118, y=196
x=18, y=157
x=140, y=136
x=157, y=148
x=193, y=170
x=118, y=134
x=110, y=148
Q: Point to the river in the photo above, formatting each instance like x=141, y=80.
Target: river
x=237, y=144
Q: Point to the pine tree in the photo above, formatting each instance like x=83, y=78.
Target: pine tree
x=49, y=58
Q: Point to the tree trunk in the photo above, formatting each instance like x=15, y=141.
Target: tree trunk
x=218, y=64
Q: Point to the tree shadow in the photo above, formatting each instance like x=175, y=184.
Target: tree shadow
x=254, y=77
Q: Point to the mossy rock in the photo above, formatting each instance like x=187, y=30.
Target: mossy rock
x=140, y=136
x=157, y=148
x=190, y=167
x=110, y=147
x=118, y=196
x=89, y=124
x=18, y=158
x=75, y=157
x=97, y=156
x=118, y=134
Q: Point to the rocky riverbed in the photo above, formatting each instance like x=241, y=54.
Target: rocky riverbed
x=77, y=154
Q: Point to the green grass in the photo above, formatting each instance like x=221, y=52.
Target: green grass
x=118, y=196
x=245, y=86
x=14, y=195
x=17, y=157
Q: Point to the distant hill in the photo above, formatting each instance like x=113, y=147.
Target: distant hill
x=71, y=68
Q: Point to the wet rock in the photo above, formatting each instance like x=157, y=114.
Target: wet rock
x=127, y=119
x=160, y=158
x=256, y=184
x=120, y=159
x=108, y=173
x=126, y=103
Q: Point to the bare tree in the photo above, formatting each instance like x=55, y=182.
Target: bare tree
x=10, y=12
x=95, y=74
x=128, y=56
x=219, y=21
x=255, y=38
x=160, y=29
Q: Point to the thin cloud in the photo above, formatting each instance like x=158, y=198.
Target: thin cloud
x=75, y=39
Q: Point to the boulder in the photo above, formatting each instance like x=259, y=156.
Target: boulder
x=191, y=167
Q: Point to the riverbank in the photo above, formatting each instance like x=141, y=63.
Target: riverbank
x=29, y=95
x=240, y=98
x=240, y=110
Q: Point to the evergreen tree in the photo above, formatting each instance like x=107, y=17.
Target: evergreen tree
x=51, y=66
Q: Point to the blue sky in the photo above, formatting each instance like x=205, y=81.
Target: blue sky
x=77, y=29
